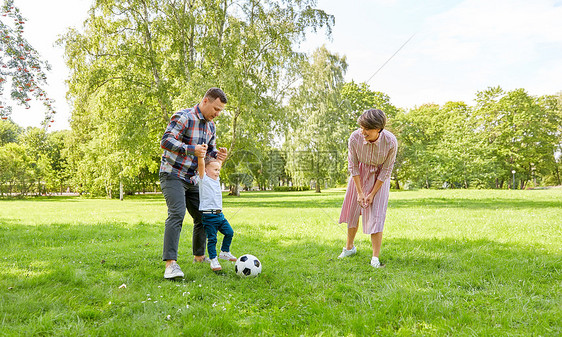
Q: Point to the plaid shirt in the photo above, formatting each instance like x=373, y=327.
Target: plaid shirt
x=186, y=129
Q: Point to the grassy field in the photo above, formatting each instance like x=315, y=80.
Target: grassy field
x=459, y=263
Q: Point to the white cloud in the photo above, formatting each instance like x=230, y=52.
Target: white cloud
x=477, y=44
x=505, y=29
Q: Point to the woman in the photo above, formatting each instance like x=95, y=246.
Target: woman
x=372, y=152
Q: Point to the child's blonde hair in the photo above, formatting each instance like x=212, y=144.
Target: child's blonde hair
x=209, y=160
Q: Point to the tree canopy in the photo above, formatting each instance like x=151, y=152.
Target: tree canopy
x=21, y=67
x=289, y=115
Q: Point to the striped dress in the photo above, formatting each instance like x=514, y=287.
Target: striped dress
x=370, y=161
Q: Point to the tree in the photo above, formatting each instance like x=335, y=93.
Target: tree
x=551, y=170
x=56, y=172
x=21, y=65
x=419, y=133
x=521, y=131
x=9, y=132
x=138, y=61
x=16, y=169
x=461, y=154
x=320, y=131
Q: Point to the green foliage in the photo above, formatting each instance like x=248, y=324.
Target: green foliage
x=453, y=267
x=290, y=188
x=455, y=145
x=318, y=137
x=35, y=162
x=9, y=131
x=358, y=97
x=522, y=131
x=136, y=62
x=16, y=169
x=20, y=64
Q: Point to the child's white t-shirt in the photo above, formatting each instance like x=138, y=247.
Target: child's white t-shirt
x=210, y=196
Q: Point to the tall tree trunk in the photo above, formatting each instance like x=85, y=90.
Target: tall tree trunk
x=557, y=175
x=234, y=190
x=234, y=125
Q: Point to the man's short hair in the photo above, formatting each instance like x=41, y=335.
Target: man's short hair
x=214, y=93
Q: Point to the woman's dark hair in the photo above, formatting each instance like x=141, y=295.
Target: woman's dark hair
x=372, y=119
x=214, y=93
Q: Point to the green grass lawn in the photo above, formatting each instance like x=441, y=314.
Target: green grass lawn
x=459, y=263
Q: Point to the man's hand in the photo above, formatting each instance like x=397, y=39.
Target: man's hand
x=222, y=154
x=201, y=150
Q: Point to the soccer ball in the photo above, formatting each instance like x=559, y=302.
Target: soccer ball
x=247, y=266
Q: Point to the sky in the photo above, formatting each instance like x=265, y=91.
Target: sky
x=457, y=47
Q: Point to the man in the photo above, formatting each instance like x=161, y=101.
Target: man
x=182, y=142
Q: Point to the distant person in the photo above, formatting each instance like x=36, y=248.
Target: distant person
x=372, y=152
x=210, y=205
x=183, y=141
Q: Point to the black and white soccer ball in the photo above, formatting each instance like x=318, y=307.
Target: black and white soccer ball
x=247, y=266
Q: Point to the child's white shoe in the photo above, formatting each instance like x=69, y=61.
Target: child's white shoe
x=215, y=265
x=227, y=256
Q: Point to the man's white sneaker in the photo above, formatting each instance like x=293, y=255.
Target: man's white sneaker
x=173, y=271
x=375, y=262
x=215, y=265
x=346, y=253
x=227, y=256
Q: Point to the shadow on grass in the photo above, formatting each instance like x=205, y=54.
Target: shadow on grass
x=336, y=201
x=419, y=258
x=486, y=203
x=41, y=198
x=303, y=289
x=333, y=199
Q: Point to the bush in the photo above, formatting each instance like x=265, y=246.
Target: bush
x=291, y=188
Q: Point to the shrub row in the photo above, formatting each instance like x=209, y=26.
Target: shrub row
x=291, y=188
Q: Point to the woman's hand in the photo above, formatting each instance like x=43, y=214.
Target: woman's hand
x=369, y=199
x=371, y=196
x=361, y=199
